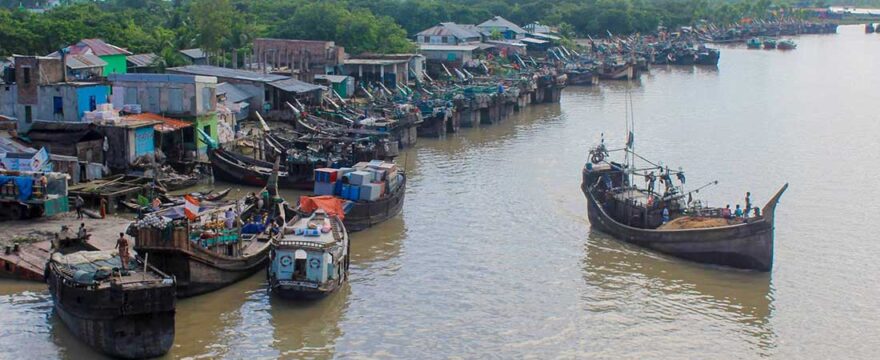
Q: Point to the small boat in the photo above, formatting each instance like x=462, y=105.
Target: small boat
x=668, y=225
x=310, y=257
x=204, y=253
x=769, y=44
x=365, y=205
x=708, y=56
x=616, y=72
x=869, y=28
x=787, y=44
x=125, y=314
x=754, y=43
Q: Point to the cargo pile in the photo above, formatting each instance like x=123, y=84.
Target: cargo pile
x=366, y=181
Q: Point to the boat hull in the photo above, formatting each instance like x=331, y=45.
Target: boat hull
x=134, y=324
x=291, y=291
x=364, y=215
x=744, y=246
x=198, y=274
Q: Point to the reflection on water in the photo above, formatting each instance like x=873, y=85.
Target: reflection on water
x=666, y=291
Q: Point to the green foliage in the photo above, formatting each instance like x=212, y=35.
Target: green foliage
x=383, y=26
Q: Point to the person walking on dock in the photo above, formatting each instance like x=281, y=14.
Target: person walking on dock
x=78, y=203
x=122, y=247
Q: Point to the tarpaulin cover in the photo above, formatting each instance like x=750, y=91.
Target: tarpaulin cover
x=25, y=185
x=330, y=204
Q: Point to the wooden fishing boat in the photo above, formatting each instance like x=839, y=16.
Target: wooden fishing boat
x=754, y=43
x=365, y=214
x=296, y=171
x=616, y=72
x=127, y=315
x=203, y=254
x=310, y=257
x=787, y=44
x=619, y=209
x=582, y=77
x=769, y=44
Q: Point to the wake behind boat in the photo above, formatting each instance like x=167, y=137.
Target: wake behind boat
x=669, y=223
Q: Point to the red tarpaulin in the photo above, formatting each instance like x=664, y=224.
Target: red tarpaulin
x=330, y=204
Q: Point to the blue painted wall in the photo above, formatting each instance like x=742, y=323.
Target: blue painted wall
x=143, y=141
x=84, y=94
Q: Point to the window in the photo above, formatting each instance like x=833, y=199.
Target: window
x=27, y=75
x=58, y=103
x=93, y=103
x=207, y=96
x=28, y=115
x=175, y=100
x=207, y=129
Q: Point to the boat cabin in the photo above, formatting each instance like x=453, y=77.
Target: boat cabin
x=310, y=256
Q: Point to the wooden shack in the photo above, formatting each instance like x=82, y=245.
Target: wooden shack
x=66, y=138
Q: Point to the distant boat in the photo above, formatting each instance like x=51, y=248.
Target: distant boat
x=708, y=56
x=787, y=44
x=310, y=257
x=753, y=43
x=769, y=44
x=126, y=315
x=869, y=28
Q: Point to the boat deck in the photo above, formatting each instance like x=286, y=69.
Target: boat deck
x=296, y=231
x=29, y=262
x=88, y=262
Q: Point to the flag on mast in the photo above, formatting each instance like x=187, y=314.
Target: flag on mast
x=191, y=207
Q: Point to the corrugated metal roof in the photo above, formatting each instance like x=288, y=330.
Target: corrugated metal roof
x=296, y=86
x=500, y=22
x=333, y=78
x=374, y=61
x=143, y=60
x=534, y=41
x=84, y=61
x=8, y=145
x=194, y=53
x=432, y=47
x=233, y=93
x=451, y=29
x=97, y=47
x=208, y=70
x=160, y=123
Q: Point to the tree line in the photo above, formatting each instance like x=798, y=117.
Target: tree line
x=381, y=26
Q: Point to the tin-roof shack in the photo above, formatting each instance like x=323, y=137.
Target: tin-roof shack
x=450, y=33
x=42, y=94
x=302, y=59
x=113, y=55
x=81, y=140
x=189, y=97
x=508, y=29
x=268, y=92
x=389, y=69
x=144, y=63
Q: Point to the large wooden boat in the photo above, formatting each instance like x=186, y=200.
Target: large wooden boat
x=626, y=213
x=242, y=169
x=129, y=315
x=365, y=214
x=203, y=254
x=310, y=257
x=625, y=71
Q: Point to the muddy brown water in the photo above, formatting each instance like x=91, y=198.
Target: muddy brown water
x=493, y=256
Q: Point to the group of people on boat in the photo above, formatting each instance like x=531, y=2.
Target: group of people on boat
x=740, y=212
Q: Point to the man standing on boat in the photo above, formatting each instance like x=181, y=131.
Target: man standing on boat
x=748, y=205
x=124, y=255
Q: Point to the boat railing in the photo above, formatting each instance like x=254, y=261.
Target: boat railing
x=303, y=244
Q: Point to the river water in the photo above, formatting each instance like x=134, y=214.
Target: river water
x=493, y=256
